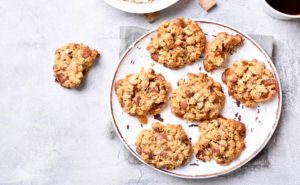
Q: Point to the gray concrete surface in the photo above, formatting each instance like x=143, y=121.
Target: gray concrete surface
x=50, y=135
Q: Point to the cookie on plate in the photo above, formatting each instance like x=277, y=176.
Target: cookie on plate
x=177, y=43
x=164, y=146
x=217, y=51
x=72, y=62
x=144, y=93
x=249, y=82
x=220, y=139
x=197, y=98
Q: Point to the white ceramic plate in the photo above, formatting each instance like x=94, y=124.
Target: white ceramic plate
x=130, y=7
x=260, y=121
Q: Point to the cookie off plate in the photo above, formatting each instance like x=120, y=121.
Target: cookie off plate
x=260, y=121
x=140, y=8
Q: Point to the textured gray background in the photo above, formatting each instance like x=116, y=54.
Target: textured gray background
x=50, y=135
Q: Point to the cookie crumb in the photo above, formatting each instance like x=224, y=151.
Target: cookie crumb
x=236, y=115
x=238, y=103
x=143, y=119
x=158, y=117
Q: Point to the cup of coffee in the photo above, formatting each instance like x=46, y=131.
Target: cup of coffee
x=282, y=9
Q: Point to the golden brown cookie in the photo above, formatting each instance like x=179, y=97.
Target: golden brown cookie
x=177, y=43
x=217, y=51
x=220, y=139
x=164, y=146
x=72, y=62
x=249, y=82
x=197, y=98
x=143, y=93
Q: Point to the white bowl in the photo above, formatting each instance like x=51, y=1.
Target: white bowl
x=277, y=14
x=141, y=8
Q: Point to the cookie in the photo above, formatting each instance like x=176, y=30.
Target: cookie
x=217, y=51
x=71, y=63
x=144, y=93
x=249, y=82
x=197, y=98
x=164, y=146
x=220, y=139
x=177, y=43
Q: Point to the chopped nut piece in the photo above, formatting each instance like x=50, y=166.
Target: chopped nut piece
x=151, y=17
x=207, y=4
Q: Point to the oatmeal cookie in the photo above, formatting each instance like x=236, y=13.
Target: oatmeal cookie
x=72, y=62
x=217, y=51
x=164, y=146
x=221, y=139
x=177, y=43
x=249, y=82
x=197, y=98
x=143, y=93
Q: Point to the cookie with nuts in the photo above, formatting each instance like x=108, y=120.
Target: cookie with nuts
x=164, y=146
x=71, y=63
x=250, y=82
x=221, y=139
x=217, y=51
x=197, y=98
x=177, y=43
x=144, y=93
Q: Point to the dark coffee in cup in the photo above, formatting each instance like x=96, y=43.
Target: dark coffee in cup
x=291, y=7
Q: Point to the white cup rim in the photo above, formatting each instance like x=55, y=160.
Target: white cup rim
x=280, y=13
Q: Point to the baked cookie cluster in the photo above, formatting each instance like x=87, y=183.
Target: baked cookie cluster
x=144, y=93
x=217, y=51
x=72, y=62
x=164, y=146
x=249, y=82
x=197, y=98
x=177, y=43
x=221, y=139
